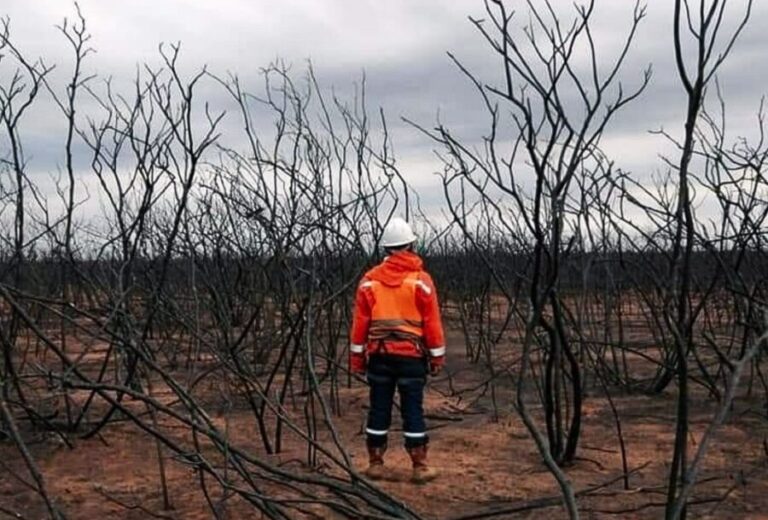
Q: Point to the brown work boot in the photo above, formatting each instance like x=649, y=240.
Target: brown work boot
x=376, y=469
x=422, y=473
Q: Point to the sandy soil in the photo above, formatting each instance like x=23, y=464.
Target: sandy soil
x=485, y=463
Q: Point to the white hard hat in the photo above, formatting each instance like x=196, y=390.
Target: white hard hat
x=397, y=233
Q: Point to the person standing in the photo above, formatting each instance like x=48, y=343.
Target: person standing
x=397, y=335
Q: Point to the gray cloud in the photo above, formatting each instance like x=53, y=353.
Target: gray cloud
x=400, y=44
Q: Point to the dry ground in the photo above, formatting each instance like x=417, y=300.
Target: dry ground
x=486, y=463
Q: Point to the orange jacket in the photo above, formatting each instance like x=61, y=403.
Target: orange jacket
x=397, y=312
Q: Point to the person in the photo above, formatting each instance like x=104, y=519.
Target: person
x=397, y=335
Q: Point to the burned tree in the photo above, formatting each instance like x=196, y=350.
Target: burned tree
x=547, y=119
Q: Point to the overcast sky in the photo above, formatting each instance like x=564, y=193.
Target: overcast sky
x=400, y=44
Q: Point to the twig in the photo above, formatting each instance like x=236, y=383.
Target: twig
x=649, y=505
x=544, y=502
x=53, y=511
x=130, y=507
x=12, y=514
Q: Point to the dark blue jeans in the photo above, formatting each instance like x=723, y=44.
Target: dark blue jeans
x=408, y=375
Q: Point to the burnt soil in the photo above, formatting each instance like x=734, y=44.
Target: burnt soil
x=486, y=458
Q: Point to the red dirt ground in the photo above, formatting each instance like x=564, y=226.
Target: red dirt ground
x=484, y=464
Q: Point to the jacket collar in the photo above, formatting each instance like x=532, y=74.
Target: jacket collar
x=395, y=267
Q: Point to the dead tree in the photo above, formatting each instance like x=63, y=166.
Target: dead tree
x=702, y=23
x=526, y=185
x=693, y=267
x=248, y=258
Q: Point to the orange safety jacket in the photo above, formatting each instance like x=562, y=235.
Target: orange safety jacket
x=397, y=312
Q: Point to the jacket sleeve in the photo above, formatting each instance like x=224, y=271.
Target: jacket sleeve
x=434, y=336
x=358, y=335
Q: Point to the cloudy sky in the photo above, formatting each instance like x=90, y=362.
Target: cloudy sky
x=400, y=44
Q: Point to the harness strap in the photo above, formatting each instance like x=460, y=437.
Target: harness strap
x=381, y=342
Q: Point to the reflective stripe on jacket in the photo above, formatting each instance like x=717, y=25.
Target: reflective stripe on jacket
x=397, y=311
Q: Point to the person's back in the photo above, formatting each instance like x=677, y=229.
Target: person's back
x=398, y=336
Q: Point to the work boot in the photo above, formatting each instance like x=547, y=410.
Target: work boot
x=422, y=473
x=376, y=469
